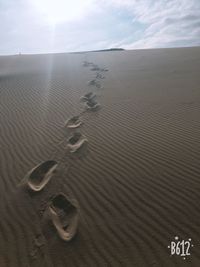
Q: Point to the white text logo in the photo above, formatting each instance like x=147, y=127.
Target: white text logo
x=180, y=247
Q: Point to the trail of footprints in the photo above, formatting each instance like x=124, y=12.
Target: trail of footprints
x=63, y=212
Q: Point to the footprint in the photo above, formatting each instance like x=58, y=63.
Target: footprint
x=76, y=141
x=73, y=122
x=94, y=82
x=92, y=105
x=95, y=68
x=99, y=76
x=64, y=216
x=40, y=175
x=105, y=70
x=87, y=64
x=88, y=96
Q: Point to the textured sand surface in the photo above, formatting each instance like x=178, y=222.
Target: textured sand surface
x=138, y=179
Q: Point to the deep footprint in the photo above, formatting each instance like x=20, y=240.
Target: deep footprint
x=88, y=96
x=39, y=176
x=64, y=215
x=94, y=82
x=76, y=141
x=92, y=105
x=73, y=122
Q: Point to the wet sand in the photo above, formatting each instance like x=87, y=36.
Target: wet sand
x=137, y=181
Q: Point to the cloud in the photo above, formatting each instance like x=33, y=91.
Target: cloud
x=131, y=24
x=167, y=23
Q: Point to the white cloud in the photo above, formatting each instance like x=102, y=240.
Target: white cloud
x=168, y=23
x=130, y=24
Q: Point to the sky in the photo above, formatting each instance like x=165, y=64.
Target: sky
x=56, y=26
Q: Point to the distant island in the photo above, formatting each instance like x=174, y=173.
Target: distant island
x=110, y=49
x=101, y=50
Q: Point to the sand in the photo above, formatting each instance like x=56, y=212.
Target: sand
x=137, y=181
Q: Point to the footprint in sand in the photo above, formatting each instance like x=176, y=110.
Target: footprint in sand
x=92, y=105
x=88, y=96
x=104, y=70
x=40, y=175
x=87, y=64
x=99, y=76
x=95, y=68
x=76, y=141
x=73, y=122
x=64, y=215
x=94, y=82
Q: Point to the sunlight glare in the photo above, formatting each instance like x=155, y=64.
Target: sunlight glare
x=58, y=11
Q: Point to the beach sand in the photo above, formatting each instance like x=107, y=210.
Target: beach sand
x=137, y=181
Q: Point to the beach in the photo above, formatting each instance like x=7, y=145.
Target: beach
x=137, y=180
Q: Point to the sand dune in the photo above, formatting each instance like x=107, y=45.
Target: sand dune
x=137, y=183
